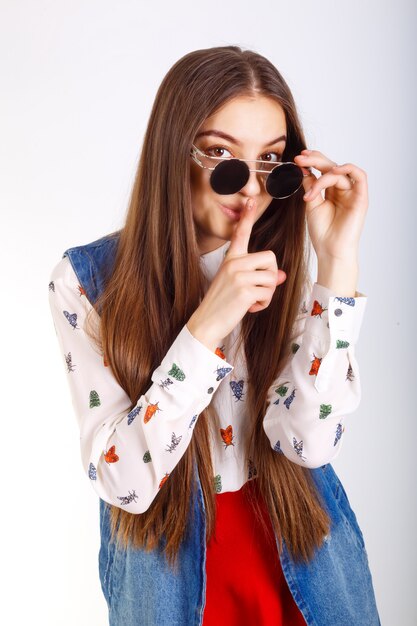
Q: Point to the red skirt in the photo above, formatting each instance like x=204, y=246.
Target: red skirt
x=245, y=582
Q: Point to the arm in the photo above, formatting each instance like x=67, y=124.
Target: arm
x=128, y=454
x=320, y=385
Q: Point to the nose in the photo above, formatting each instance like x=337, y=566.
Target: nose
x=254, y=186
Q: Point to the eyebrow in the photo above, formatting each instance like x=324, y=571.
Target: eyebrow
x=220, y=133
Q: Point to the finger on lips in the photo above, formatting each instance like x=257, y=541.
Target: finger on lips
x=240, y=242
x=241, y=235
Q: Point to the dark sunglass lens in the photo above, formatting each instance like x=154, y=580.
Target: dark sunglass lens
x=284, y=180
x=229, y=176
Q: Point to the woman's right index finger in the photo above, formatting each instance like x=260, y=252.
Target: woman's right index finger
x=240, y=238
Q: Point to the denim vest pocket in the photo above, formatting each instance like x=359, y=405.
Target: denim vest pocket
x=343, y=504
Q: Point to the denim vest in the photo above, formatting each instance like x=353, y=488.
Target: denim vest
x=334, y=589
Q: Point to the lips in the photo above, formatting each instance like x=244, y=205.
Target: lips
x=237, y=209
x=233, y=214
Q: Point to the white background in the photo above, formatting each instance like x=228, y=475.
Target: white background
x=78, y=81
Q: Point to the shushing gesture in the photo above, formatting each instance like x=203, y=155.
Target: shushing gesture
x=244, y=283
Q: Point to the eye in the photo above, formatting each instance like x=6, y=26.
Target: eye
x=278, y=157
x=216, y=150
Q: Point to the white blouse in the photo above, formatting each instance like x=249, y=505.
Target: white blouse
x=129, y=454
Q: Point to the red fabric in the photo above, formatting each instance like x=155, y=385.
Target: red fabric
x=245, y=582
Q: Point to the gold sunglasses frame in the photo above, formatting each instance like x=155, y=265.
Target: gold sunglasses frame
x=194, y=151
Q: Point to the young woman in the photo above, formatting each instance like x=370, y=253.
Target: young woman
x=211, y=380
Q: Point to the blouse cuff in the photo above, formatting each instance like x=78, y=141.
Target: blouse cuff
x=340, y=315
x=192, y=365
x=337, y=321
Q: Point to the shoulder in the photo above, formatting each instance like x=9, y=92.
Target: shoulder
x=64, y=286
x=89, y=265
x=105, y=242
x=62, y=274
x=96, y=253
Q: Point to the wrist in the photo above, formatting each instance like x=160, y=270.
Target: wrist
x=338, y=275
x=201, y=334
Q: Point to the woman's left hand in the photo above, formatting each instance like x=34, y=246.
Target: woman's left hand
x=335, y=222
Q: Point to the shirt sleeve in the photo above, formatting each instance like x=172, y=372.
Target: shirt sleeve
x=129, y=454
x=320, y=384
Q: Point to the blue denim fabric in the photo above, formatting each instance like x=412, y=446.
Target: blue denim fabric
x=93, y=263
x=333, y=589
x=140, y=587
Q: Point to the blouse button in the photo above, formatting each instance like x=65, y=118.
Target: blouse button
x=338, y=312
x=210, y=390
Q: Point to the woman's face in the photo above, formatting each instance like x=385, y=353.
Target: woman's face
x=251, y=124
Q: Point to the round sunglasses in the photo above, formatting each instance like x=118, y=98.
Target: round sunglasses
x=229, y=174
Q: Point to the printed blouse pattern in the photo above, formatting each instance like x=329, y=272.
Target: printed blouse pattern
x=128, y=454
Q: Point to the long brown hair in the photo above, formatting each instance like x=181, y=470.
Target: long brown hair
x=157, y=284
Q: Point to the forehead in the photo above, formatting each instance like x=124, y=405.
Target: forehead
x=249, y=119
